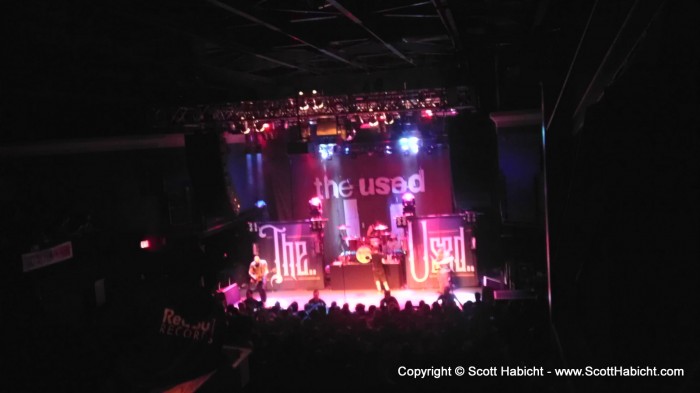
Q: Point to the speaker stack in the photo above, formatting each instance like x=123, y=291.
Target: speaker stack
x=214, y=193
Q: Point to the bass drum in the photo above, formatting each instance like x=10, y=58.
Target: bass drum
x=364, y=254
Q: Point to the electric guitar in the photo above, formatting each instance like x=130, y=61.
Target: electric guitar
x=259, y=276
x=438, y=264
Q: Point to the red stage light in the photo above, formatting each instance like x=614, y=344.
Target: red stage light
x=145, y=244
x=427, y=113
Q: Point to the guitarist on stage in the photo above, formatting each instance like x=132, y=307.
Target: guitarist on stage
x=258, y=277
x=441, y=265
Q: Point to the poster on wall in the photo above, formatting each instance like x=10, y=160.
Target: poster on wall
x=426, y=235
x=292, y=253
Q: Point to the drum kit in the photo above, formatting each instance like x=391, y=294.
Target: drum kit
x=364, y=247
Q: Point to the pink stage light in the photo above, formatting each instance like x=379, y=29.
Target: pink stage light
x=145, y=244
x=427, y=113
x=408, y=197
x=315, y=202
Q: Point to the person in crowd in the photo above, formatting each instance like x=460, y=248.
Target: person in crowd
x=316, y=303
x=448, y=299
x=388, y=301
x=251, y=304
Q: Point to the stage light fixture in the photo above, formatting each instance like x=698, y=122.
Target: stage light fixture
x=409, y=145
x=260, y=204
x=145, y=244
x=246, y=128
x=261, y=127
x=403, y=145
x=326, y=150
x=409, y=204
x=315, y=207
x=413, y=144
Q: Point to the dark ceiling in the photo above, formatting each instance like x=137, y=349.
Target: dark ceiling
x=92, y=68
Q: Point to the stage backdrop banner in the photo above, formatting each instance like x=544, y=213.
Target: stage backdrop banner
x=454, y=234
x=292, y=254
x=357, y=191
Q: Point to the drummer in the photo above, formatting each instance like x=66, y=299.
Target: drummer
x=376, y=233
x=377, y=229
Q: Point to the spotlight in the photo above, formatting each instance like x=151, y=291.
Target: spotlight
x=317, y=222
x=260, y=204
x=313, y=91
x=246, y=128
x=403, y=145
x=301, y=93
x=145, y=244
x=410, y=144
x=315, y=208
x=413, y=144
x=409, y=204
x=326, y=150
x=261, y=127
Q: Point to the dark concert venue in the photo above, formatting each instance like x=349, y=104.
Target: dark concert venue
x=348, y=195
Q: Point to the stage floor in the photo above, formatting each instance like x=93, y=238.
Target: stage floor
x=366, y=297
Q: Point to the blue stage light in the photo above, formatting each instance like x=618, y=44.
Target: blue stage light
x=403, y=144
x=411, y=144
x=414, y=144
x=326, y=150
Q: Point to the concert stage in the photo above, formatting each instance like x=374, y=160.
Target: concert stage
x=366, y=297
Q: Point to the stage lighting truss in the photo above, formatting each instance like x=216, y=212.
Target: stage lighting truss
x=380, y=107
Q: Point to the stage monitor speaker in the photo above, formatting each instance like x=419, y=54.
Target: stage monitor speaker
x=513, y=295
x=487, y=295
x=206, y=161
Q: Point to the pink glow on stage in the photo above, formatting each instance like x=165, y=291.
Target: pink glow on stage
x=408, y=197
x=145, y=244
x=366, y=297
x=315, y=201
